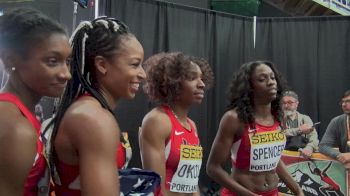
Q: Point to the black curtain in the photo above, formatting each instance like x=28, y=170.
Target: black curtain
x=48, y=7
x=311, y=53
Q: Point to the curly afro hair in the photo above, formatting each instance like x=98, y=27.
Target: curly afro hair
x=166, y=71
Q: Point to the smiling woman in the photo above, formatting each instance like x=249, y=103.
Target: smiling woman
x=35, y=51
x=106, y=67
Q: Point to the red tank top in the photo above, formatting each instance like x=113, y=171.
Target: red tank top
x=67, y=181
x=258, y=149
x=183, y=155
x=39, y=165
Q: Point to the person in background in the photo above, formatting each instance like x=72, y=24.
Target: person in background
x=337, y=135
x=168, y=138
x=106, y=67
x=250, y=134
x=36, y=53
x=298, y=124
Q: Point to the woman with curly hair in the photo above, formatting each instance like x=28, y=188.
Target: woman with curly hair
x=168, y=139
x=250, y=130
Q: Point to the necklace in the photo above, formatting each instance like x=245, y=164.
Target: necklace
x=183, y=124
x=174, y=114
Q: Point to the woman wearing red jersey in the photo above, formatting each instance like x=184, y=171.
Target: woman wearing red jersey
x=106, y=67
x=251, y=135
x=169, y=140
x=35, y=51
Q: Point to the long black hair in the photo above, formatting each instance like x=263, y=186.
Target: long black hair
x=101, y=37
x=240, y=92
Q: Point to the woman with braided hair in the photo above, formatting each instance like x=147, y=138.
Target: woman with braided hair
x=35, y=52
x=106, y=67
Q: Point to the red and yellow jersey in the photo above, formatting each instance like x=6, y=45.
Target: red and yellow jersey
x=183, y=155
x=258, y=149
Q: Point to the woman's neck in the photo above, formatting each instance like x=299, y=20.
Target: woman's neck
x=262, y=110
x=23, y=93
x=263, y=114
x=112, y=102
x=180, y=111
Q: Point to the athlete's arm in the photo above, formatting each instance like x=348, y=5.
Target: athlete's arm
x=17, y=152
x=198, y=193
x=95, y=136
x=229, y=127
x=155, y=129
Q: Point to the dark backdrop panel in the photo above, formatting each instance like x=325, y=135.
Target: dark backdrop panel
x=48, y=7
x=313, y=57
x=334, y=65
x=292, y=44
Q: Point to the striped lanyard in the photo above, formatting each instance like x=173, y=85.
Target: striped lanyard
x=348, y=129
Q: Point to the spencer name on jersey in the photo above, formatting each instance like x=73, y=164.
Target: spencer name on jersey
x=266, y=150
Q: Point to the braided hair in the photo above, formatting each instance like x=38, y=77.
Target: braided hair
x=240, y=92
x=100, y=37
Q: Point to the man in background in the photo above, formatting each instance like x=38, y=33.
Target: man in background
x=337, y=135
x=298, y=124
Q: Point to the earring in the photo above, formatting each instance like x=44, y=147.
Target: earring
x=13, y=68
